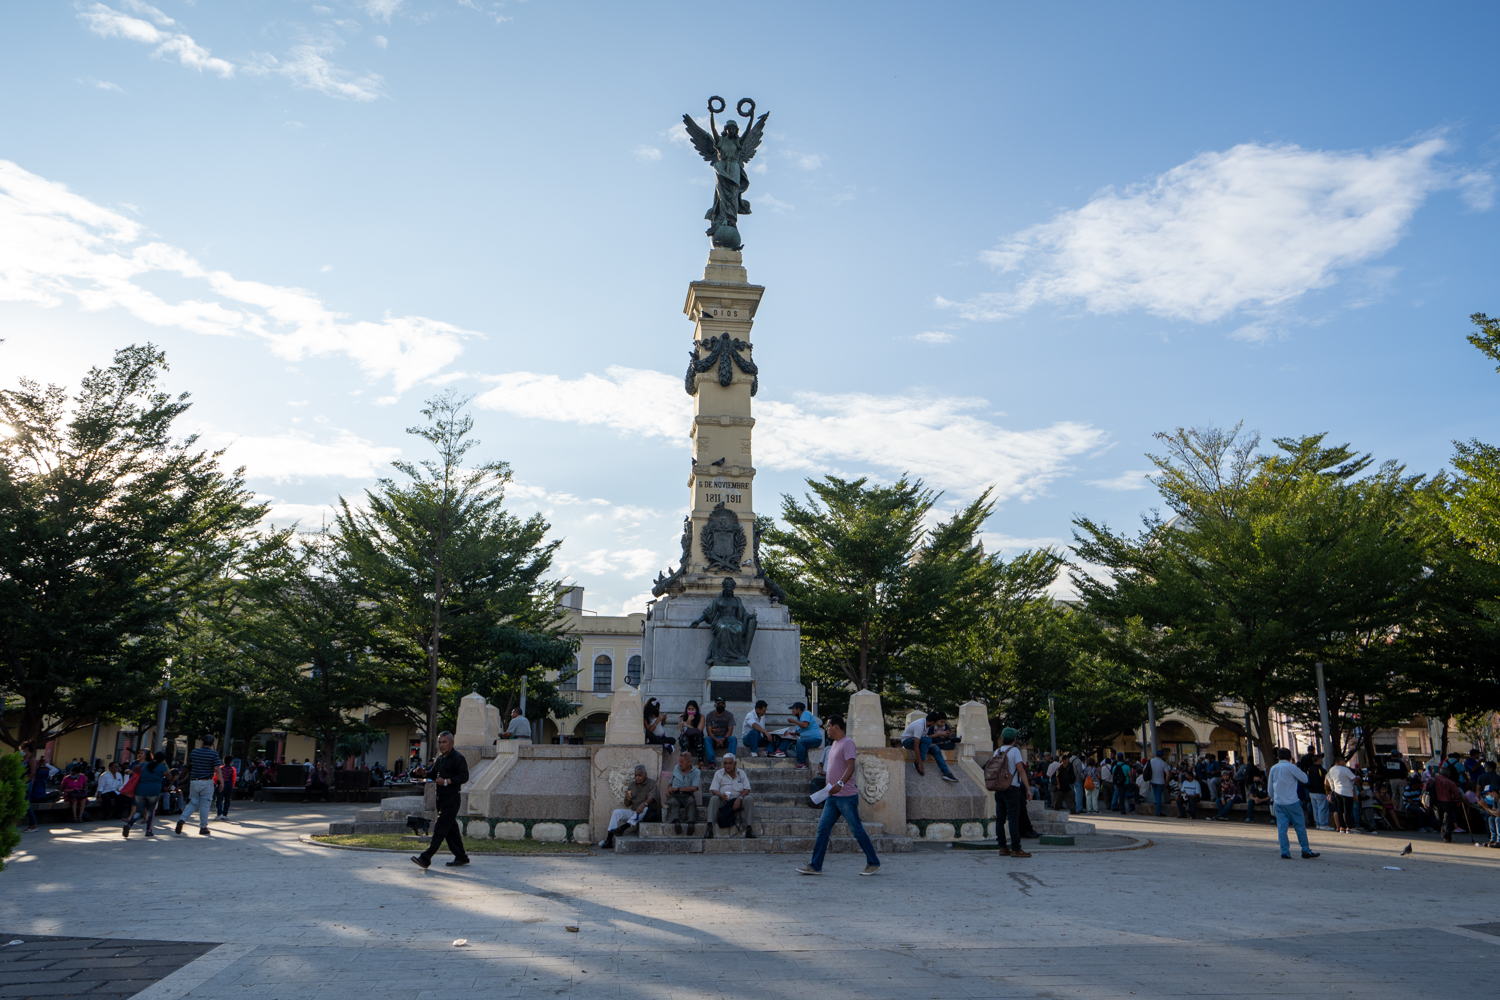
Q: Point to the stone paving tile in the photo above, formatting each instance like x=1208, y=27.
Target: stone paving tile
x=78, y=966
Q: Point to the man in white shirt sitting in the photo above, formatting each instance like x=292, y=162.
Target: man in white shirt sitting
x=914, y=737
x=1284, y=779
x=754, y=737
x=728, y=803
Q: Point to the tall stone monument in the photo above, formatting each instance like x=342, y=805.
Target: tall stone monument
x=718, y=628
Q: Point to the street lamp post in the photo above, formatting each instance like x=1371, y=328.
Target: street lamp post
x=1151, y=723
x=161, y=709
x=1323, y=718
x=1052, y=721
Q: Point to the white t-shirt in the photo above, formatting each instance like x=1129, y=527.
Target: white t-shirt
x=1017, y=758
x=915, y=729
x=726, y=785
x=751, y=721
x=1191, y=787
x=1284, y=779
x=1342, y=780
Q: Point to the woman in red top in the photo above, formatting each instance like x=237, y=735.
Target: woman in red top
x=75, y=789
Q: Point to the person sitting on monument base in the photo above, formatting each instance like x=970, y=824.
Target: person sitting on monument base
x=718, y=733
x=641, y=805
x=733, y=628
x=754, y=737
x=682, y=796
x=729, y=805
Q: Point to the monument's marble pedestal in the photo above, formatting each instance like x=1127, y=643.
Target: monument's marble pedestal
x=675, y=669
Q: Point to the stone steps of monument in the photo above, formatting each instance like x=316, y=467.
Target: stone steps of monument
x=763, y=828
x=794, y=812
x=1070, y=828
x=759, y=845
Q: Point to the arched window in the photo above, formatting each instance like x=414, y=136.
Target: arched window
x=633, y=671
x=604, y=673
x=569, y=681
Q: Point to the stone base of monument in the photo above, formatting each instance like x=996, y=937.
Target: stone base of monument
x=676, y=670
x=784, y=822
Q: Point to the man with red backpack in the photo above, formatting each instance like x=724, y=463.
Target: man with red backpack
x=1005, y=775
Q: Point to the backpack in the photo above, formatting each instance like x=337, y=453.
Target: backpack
x=998, y=772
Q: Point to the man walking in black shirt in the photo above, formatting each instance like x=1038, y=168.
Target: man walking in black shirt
x=448, y=772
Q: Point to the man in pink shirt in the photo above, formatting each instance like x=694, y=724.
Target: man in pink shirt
x=843, y=800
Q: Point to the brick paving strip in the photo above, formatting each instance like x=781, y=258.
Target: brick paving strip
x=44, y=966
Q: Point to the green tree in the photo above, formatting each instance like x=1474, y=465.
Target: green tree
x=12, y=802
x=869, y=582
x=101, y=514
x=1272, y=561
x=441, y=564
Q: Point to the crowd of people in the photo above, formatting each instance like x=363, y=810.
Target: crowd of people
x=113, y=790
x=1394, y=793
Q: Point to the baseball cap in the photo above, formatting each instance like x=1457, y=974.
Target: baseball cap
x=796, y=706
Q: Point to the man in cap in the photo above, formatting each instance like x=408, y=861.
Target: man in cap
x=718, y=733
x=809, y=733
x=1010, y=803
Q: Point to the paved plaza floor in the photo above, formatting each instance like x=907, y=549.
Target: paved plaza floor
x=1208, y=909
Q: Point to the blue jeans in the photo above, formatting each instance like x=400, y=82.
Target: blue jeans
x=1320, y=808
x=848, y=807
x=1158, y=796
x=1078, y=792
x=927, y=747
x=1290, y=813
x=755, y=742
x=804, y=745
x=1493, y=822
x=708, y=747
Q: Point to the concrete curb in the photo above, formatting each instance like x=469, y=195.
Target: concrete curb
x=590, y=853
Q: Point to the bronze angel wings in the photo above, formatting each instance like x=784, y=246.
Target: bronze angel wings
x=707, y=144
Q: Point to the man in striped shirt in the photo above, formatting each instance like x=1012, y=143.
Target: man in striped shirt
x=203, y=767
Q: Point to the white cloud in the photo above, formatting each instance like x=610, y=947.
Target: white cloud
x=107, y=22
x=381, y=9
x=540, y=496
x=808, y=161
x=306, y=67
x=326, y=268
x=628, y=399
x=758, y=167
x=58, y=246
x=601, y=562
x=935, y=337
x=299, y=455
x=1131, y=479
x=775, y=204
x=106, y=85
x=1249, y=228
x=946, y=441
x=649, y=154
x=381, y=41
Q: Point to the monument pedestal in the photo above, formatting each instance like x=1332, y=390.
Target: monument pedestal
x=719, y=538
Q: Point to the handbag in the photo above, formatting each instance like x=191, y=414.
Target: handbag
x=1088, y=783
x=129, y=790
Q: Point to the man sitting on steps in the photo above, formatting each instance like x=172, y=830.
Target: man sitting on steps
x=728, y=806
x=682, y=796
x=641, y=805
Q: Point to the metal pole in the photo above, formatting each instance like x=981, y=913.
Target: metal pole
x=1151, y=722
x=94, y=745
x=1052, y=721
x=814, y=697
x=228, y=730
x=1323, y=718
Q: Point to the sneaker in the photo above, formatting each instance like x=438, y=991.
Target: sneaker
x=1020, y=854
x=602, y=845
x=420, y=861
x=1309, y=855
x=808, y=870
x=779, y=753
x=800, y=767
x=949, y=777
x=203, y=831
x=151, y=834
x=179, y=826
x=870, y=870
x=1286, y=857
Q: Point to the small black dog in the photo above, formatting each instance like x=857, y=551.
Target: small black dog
x=420, y=825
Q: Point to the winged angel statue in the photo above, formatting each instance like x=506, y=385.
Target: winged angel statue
x=728, y=151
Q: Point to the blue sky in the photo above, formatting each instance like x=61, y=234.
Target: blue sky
x=1002, y=245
